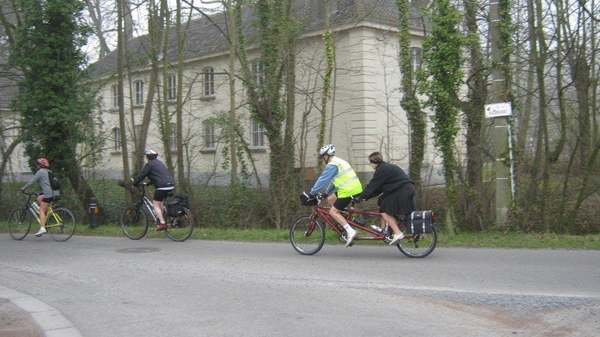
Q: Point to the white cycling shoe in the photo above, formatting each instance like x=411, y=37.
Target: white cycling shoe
x=41, y=231
x=396, y=238
x=351, y=237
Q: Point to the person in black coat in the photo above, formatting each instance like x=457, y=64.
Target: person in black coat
x=163, y=183
x=396, y=192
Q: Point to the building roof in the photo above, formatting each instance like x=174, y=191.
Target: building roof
x=206, y=36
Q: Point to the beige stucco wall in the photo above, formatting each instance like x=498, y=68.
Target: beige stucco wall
x=363, y=113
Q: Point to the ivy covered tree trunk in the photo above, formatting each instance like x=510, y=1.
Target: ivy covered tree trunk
x=266, y=82
x=443, y=62
x=56, y=109
x=410, y=102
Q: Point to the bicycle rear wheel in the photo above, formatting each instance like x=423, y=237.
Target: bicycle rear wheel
x=19, y=223
x=60, y=224
x=134, y=222
x=307, y=237
x=417, y=245
x=180, y=228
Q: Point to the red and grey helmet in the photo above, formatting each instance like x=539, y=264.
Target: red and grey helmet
x=151, y=154
x=43, y=162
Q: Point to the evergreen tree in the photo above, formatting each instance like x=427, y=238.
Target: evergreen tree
x=56, y=109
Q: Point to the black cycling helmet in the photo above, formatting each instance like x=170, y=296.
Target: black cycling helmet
x=151, y=154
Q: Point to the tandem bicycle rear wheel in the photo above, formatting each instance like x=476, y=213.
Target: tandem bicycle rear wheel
x=307, y=236
x=417, y=245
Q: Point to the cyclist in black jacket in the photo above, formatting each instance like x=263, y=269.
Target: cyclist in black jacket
x=163, y=183
x=395, y=190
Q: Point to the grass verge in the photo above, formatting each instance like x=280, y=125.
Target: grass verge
x=465, y=240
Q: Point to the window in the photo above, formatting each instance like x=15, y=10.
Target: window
x=171, y=87
x=209, y=81
x=115, y=96
x=257, y=134
x=139, y=92
x=173, y=136
x=258, y=70
x=415, y=62
x=209, y=134
x=116, y=139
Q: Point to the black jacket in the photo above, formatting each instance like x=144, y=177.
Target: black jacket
x=157, y=172
x=386, y=179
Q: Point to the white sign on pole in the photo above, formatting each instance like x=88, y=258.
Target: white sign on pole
x=498, y=110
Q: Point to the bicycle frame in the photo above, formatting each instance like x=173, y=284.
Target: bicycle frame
x=36, y=213
x=147, y=203
x=307, y=232
x=323, y=212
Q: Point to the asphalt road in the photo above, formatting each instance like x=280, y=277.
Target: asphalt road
x=155, y=287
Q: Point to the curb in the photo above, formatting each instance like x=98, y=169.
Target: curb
x=50, y=320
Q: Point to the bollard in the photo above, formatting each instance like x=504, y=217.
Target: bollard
x=93, y=213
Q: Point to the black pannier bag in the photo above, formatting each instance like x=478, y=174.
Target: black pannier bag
x=176, y=204
x=419, y=222
x=304, y=199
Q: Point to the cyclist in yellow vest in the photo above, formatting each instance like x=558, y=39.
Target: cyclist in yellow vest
x=338, y=176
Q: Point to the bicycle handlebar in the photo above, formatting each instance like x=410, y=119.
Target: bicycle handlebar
x=30, y=193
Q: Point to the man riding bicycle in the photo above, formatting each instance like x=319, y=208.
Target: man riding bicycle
x=163, y=183
x=338, y=176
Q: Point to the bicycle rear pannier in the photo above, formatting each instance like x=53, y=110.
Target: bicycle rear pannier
x=419, y=222
x=176, y=204
x=304, y=199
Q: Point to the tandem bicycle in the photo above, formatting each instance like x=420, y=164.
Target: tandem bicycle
x=134, y=218
x=60, y=221
x=307, y=232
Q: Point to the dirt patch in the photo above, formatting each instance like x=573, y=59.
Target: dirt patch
x=15, y=322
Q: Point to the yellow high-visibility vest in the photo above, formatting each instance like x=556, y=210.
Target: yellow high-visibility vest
x=346, y=181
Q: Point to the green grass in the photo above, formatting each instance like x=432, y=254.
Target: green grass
x=466, y=240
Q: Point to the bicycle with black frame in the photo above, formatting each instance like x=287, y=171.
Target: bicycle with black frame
x=307, y=232
x=135, y=221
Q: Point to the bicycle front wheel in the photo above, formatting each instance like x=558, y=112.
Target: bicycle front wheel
x=307, y=237
x=19, y=223
x=180, y=228
x=418, y=245
x=134, y=222
x=60, y=224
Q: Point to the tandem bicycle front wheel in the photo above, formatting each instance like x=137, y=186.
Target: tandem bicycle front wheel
x=134, y=222
x=307, y=236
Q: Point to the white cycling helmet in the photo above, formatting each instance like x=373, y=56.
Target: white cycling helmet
x=151, y=154
x=328, y=149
